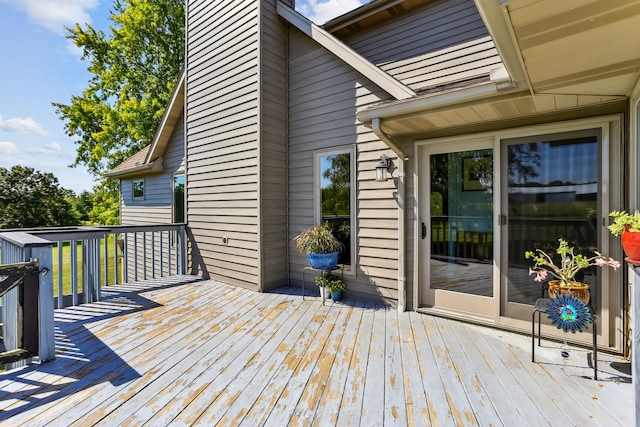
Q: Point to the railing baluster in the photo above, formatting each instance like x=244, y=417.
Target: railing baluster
x=161, y=254
x=60, y=270
x=74, y=271
x=153, y=254
x=135, y=257
x=125, y=251
x=106, y=260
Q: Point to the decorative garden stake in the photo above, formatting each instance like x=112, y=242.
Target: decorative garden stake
x=568, y=313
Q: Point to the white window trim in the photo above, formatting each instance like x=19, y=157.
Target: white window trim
x=317, y=210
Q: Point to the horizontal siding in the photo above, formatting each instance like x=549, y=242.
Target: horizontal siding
x=223, y=139
x=156, y=208
x=440, y=43
x=325, y=95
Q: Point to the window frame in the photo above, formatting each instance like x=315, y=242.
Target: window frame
x=133, y=189
x=173, y=197
x=317, y=209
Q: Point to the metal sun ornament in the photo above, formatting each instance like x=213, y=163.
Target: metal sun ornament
x=569, y=313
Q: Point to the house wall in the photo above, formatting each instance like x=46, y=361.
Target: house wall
x=324, y=97
x=442, y=42
x=236, y=92
x=426, y=47
x=156, y=208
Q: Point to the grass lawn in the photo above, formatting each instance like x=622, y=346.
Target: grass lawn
x=66, y=266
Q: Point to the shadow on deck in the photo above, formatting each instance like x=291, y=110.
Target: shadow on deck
x=183, y=351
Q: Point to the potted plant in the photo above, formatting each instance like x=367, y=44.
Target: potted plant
x=628, y=227
x=568, y=265
x=320, y=245
x=333, y=284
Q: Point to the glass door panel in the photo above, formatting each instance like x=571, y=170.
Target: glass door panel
x=460, y=221
x=552, y=192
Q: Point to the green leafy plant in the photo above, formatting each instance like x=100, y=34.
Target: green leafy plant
x=331, y=282
x=569, y=263
x=624, y=221
x=317, y=240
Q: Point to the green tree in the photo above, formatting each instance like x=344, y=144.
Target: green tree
x=83, y=203
x=29, y=198
x=135, y=67
x=335, y=195
x=106, y=203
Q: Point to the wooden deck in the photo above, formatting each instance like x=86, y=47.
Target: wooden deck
x=181, y=352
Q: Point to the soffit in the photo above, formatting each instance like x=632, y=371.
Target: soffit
x=487, y=111
x=370, y=15
x=576, y=46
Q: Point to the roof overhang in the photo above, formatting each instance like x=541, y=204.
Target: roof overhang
x=578, y=47
x=154, y=166
x=169, y=121
x=387, y=83
x=561, y=57
x=149, y=159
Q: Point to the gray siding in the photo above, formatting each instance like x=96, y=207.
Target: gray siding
x=235, y=132
x=156, y=208
x=324, y=96
x=273, y=148
x=440, y=43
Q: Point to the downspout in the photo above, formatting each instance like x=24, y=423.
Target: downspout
x=402, y=279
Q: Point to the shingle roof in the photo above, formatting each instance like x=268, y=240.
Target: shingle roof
x=131, y=163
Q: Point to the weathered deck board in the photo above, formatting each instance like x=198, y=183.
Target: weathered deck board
x=184, y=352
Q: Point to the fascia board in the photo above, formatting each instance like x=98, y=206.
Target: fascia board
x=387, y=83
x=495, y=18
x=165, y=128
x=429, y=102
x=154, y=166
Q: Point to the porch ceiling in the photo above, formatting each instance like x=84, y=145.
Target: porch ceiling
x=577, y=46
x=496, y=109
x=561, y=57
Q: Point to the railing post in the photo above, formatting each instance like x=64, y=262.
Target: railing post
x=46, y=322
x=183, y=250
x=18, y=247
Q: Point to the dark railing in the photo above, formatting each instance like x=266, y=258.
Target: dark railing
x=469, y=238
x=21, y=338
x=81, y=261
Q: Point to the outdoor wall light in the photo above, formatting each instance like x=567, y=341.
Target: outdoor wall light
x=381, y=169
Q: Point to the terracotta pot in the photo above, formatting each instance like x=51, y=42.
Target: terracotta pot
x=631, y=244
x=578, y=289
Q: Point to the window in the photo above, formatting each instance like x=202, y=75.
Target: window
x=178, y=198
x=334, y=198
x=138, y=189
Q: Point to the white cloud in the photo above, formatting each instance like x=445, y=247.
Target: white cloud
x=7, y=148
x=55, y=15
x=18, y=125
x=53, y=146
x=320, y=11
x=50, y=149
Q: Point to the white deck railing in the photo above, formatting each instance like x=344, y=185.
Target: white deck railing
x=78, y=262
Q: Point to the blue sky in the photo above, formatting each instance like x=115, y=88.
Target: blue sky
x=38, y=66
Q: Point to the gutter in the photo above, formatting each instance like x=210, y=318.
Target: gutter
x=402, y=275
x=154, y=166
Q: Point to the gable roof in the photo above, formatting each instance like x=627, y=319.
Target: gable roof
x=149, y=159
x=386, y=82
x=371, y=14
